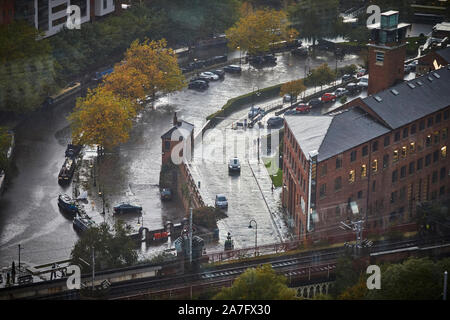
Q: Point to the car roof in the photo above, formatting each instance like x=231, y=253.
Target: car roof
x=220, y=195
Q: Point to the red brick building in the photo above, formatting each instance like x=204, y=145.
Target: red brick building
x=6, y=11
x=181, y=131
x=375, y=159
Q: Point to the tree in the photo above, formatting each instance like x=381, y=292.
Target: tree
x=346, y=276
x=158, y=66
x=102, y=118
x=414, y=279
x=355, y=292
x=258, y=30
x=27, y=68
x=315, y=18
x=207, y=217
x=433, y=219
x=261, y=283
x=113, y=248
x=293, y=88
x=5, y=141
x=321, y=76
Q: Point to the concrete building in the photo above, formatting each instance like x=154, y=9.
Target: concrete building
x=376, y=159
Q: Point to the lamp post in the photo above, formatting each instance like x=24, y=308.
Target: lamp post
x=240, y=61
x=256, y=232
x=101, y=194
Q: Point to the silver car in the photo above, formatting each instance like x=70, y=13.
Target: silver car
x=221, y=201
x=234, y=165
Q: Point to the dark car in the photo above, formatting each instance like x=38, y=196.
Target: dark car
x=232, y=68
x=348, y=77
x=300, y=51
x=220, y=73
x=353, y=88
x=270, y=58
x=198, y=84
x=166, y=194
x=275, y=122
x=316, y=102
x=256, y=59
x=126, y=207
x=234, y=166
x=220, y=59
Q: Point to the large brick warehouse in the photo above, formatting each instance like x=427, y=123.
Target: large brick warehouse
x=376, y=158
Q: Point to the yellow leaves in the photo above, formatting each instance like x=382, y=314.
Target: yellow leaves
x=102, y=118
x=255, y=31
x=293, y=88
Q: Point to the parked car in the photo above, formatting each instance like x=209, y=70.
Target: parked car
x=270, y=58
x=347, y=77
x=221, y=201
x=327, y=97
x=256, y=59
x=126, y=207
x=209, y=75
x=197, y=78
x=234, y=165
x=254, y=111
x=220, y=73
x=232, y=68
x=220, y=59
x=287, y=98
x=300, y=51
x=353, y=88
x=315, y=102
x=340, y=92
x=198, y=84
x=275, y=122
x=361, y=72
x=364, y=82
x=303, y=108
x=291, y=113
x=166, y=194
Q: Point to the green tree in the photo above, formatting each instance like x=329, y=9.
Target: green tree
x=346, y=275
x=414, y=279
x=207, y=217
x=27, y=68
x=112, y=247
x=433, y=219
x=321, y=76
x=355, y=292
x=315, y=18
x=261, y=283
x=293, y=88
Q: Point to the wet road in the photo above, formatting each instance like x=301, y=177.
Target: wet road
x=28, y=211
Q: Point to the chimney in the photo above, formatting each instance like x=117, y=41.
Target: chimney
x=175, y=119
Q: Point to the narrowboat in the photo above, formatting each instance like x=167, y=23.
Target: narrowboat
x=66, y=172
x=67, y=204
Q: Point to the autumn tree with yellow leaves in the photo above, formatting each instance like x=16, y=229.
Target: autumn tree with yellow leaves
x=257, y=30
x=293, y=88
x=102, y=118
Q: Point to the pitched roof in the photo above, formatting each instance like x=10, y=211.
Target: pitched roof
x=415, y=99
x=185, y=127
x=445, y=54
x=333, y=134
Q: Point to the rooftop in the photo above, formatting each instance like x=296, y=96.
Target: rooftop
x=185, y=127
x=445, y=54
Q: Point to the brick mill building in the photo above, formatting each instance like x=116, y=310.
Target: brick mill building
x=375, y=158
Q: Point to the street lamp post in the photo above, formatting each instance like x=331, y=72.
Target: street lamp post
x=256, y=233
x=240, y=60
x=102, y=195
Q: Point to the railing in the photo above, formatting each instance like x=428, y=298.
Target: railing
x=198, y=200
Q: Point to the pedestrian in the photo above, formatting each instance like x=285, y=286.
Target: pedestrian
x=272, y=187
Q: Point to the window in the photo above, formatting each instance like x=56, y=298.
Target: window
x=394, y=176
x=353, y=156
x=442, y=191
x=360, y=194
x=374, y=184
x=365, y=151
x=105, y=4
x=444, y=133
x=397, y=136
x=374, y=146
x=402, y=193
x=386, y=141
x=374, y=165
x=413, y=129
x=393, y=196
x=428, y=140
x=442, y=174
x=403, y=172
x=323, y=190
x=379, y=57
x=429, y=122
x=438, y=118
x=363, y=171
x=419, y=164
x=411, y=167
x=337, y=183
x=323, y=171
x=405, y=132
x=167, y=145
x=385, y=161
x=338, y=162
x=434, y=177
x=395, y=158
x=404, y=152
x=444, y=152
x=446, y=112
x=436, y=156
x=412, y=147
x=338, y=211
x=436, y=137
x=422, y=125
x=427, y=160
x=351, y=176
